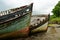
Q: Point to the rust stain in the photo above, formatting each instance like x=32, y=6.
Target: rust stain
x=24, y=32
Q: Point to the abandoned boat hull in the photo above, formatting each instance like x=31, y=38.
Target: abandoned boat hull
x=41, y=28
x=18, y=26
x=39, y=23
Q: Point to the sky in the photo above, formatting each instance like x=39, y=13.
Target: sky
x=39, y=6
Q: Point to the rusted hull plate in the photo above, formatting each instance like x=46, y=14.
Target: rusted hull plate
x=21, y=33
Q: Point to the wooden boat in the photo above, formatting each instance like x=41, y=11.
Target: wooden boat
x=39, y=23
x=15, y=22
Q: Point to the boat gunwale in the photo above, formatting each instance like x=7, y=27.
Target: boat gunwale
x=13, y=19
x=15, y=9
x=27, y=6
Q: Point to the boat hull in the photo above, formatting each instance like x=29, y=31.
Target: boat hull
x=17, y=27
x=16, y=23
x=41, y=28
x=21, y=33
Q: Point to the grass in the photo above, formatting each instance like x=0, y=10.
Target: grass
x=52, y=25
x=54, y=19
x=52, y=16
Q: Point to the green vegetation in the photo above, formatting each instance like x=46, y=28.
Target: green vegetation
x=55, y=18
x=56, y=10
x=51, y=25
x=52, y=16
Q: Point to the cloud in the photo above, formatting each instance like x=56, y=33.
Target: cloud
x=8, y=4
x=44, y=6
x=39, y=7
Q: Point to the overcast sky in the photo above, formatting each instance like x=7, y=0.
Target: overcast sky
x=39, y=7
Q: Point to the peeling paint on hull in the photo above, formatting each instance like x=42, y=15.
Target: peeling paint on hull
x=20, y=33
x=18, y=24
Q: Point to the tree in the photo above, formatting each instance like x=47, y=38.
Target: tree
x=56, y=10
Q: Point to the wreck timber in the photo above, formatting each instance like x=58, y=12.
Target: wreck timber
x=15, y=22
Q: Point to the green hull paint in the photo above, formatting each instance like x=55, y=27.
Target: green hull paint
x=16, y=25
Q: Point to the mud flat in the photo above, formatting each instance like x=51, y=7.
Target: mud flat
x=51, y=34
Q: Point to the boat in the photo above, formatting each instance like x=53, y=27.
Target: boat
x=39, y=23
x=15, y=22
